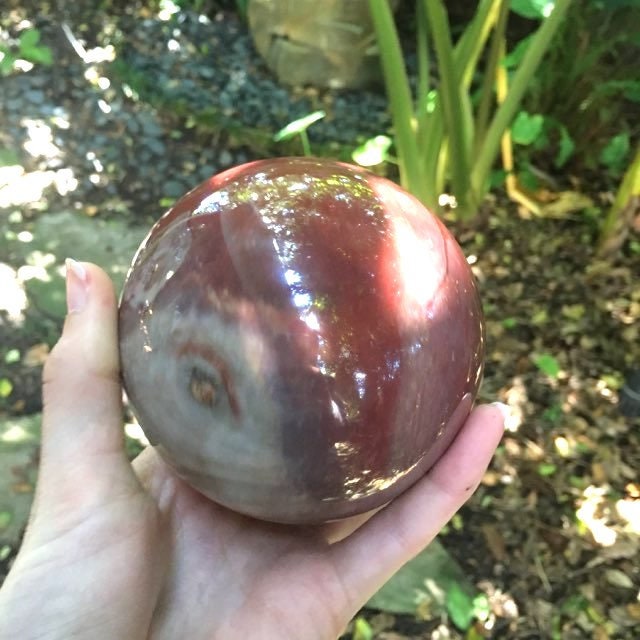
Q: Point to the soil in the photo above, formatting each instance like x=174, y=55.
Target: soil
x=552, y=536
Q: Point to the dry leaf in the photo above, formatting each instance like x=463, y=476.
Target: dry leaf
x=618, y=579
x=36, y=355
x=495, y=541
x=598, y=472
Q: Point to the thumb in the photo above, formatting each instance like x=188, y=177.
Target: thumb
x=82, y=456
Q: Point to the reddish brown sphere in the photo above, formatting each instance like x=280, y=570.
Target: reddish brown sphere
x=300, y=339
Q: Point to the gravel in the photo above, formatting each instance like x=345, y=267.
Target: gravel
x=126, y=154
x=211, y=63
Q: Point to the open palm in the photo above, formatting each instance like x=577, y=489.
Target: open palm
x=121, y=551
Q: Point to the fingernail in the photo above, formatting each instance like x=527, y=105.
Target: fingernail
x=77, y=290
x=505, y=410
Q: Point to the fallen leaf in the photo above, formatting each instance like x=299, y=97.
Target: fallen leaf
x=600, y=633
x=619, y=550
x=36, y=355
x=619, y=579
x=633, y=610
x=495, y=541
x=598, y=472
x=633, y=489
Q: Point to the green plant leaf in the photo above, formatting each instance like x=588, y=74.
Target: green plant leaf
x=528, y=179
x=29, y=39
x=39, y=55
x=6, y=64
x=546, y=469
x=298, y=126
x=459, y=606
x=5, y=387
x=398, y=90
x=520, y=82
x=527, y=128
x=362, y=630
x=615, y=153
x=566, y=147
x=242, y=7
x=547, y=364
x=5, y=519
x=426, y=578
x=481, y=607
x=514, y=57
x=497, y=178
x=533, y=9
x=373, y=151
x=553, y=413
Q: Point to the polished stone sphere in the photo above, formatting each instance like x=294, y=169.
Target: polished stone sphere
x=300, y=339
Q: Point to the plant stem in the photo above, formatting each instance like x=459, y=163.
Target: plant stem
x=472, y=42
x=452, y=105
x=615, y=227
x=400, y=101
x=424, y=80
x=521, y=79
x=306, y=145
x=486, y=93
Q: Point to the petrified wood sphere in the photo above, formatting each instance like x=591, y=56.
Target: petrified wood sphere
x=300, y=339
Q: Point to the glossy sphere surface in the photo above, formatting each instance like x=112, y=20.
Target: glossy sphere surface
x=301, y=339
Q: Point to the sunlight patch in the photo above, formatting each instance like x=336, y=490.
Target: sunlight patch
x=13, y=299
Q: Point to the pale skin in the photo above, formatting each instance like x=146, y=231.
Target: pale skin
x=116, y=550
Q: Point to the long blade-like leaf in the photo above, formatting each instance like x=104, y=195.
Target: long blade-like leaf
x=521, y=80
x=472, y=42
x=450, y=94
x=400, y=101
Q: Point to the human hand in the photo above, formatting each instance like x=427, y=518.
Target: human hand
x=116, y=550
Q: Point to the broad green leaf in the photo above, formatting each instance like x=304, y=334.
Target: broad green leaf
x=528, y=179
x=5, y=387
x=41, y=55
x=428, y=577
x=509, y=323
x=373, y=151
x=527, y=128
x=547, y=364
x=534, y=9
x=616, y=152
x=298, y=126
x=29, y=39
x=497, y=178
x=459, y=607
x=513, y=58
x=566, y=147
